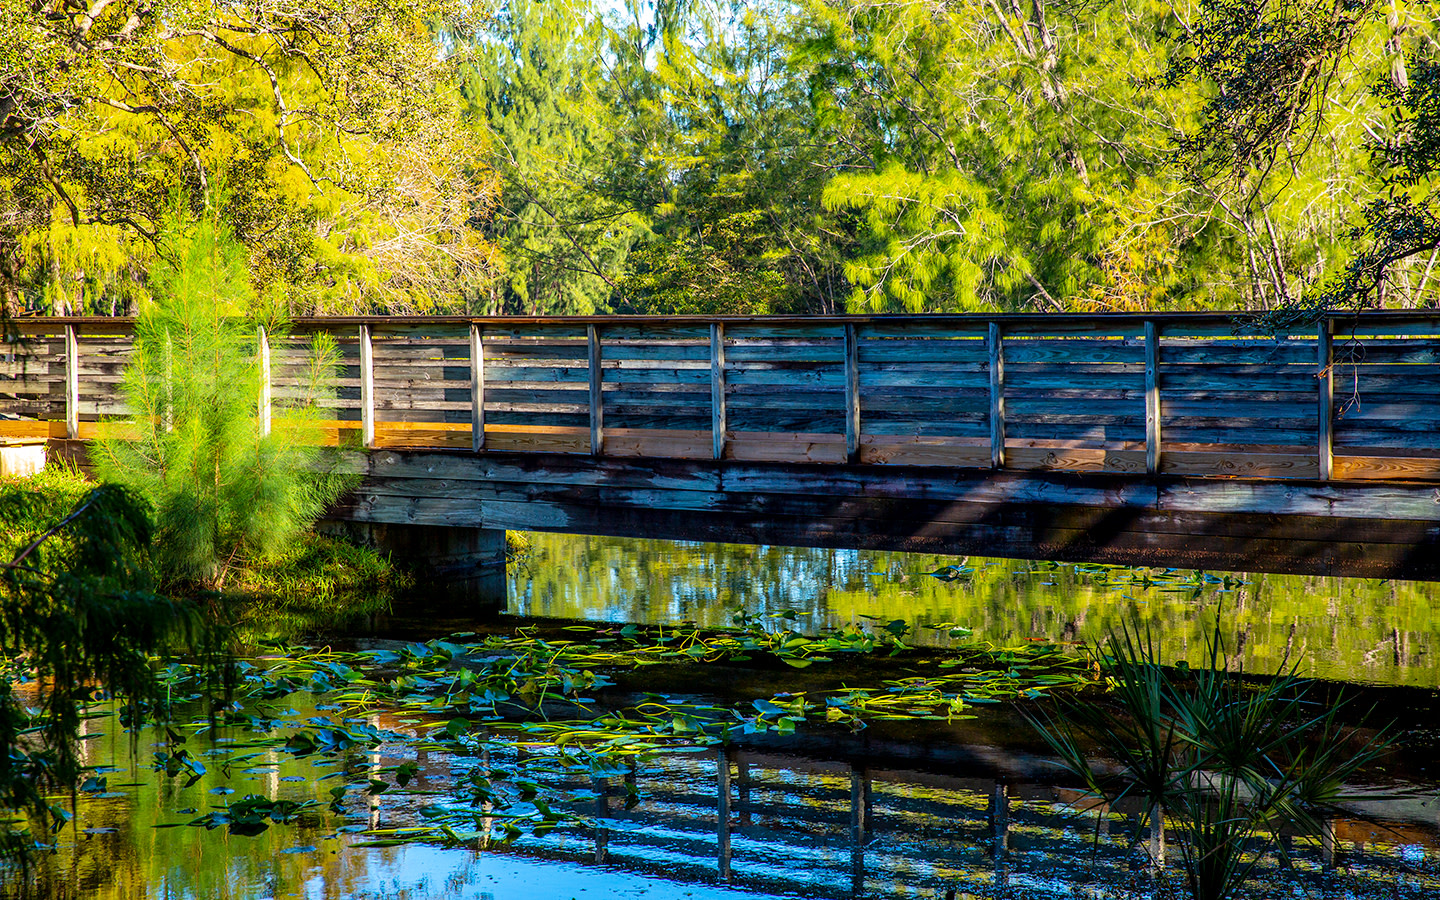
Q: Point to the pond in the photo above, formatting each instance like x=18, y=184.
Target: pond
x=366, y=790
x=1355, y=630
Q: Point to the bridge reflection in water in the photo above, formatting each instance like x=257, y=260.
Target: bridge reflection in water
x=778, y=823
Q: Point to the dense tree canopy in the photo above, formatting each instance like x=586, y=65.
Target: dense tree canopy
x=712, y=156
x=324, y=131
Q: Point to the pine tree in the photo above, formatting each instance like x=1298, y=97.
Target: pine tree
x=223, y=491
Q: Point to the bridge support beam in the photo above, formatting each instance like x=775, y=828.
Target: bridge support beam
x=453, y=564
x=1368, y=530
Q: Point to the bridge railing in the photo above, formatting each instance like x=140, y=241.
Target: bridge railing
x=1180, y=394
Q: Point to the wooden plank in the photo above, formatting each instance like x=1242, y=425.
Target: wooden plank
x=477, y=389
x=1386, y=468
x=1237, y=353
x=1332, y=500
x=886, y=450
x=852, y=395
x=921, y=352
x=423, y=435
x=1070, y=352
x=751, y=352
x=779, y=447
x=718, y=419
x=1078, y=459
x=1239, y=464
x=808, y=377
x=32, y=428
x=995, y=349
x=597, y=401
x=1152, y=398
x=72, y=383
x=1325, y=405
x=694, y=379
x=659, y=443
x=967, y=428
x=1222, y=322
x=655, y=353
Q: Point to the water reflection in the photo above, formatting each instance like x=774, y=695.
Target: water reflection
x=1381, y=632
x=733, y=822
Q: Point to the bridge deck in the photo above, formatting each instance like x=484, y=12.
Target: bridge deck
x=1165, y=403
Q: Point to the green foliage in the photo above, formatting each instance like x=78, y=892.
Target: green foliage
x=325, y=135
x=1403, y=225
x=223, y=492
x=1297, y=96
x=79, y=619
x=1222, y=763
x=535, y=83
x=704, y=156
x=1004, y=158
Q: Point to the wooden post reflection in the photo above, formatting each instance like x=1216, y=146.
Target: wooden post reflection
x=1000, y=831
x=1327, y=843
x=487, y=821
x=602, y=812
x=1000, y=819
x=1157, y=839
x=860, y=810
x=742, y=785
x=722, y=812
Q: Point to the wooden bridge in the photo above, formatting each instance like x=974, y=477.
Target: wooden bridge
x=1163, y=440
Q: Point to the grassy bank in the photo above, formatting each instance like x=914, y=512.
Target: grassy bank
x=319, y=581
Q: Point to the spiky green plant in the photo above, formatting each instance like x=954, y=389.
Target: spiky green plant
x=224, y=492
x=1220, y=761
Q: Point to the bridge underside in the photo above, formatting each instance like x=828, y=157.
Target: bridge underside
x=1377, y=530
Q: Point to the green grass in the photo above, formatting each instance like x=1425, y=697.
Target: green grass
x=37, y=503
x=318, y=584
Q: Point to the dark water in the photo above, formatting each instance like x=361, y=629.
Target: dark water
x=900, y=810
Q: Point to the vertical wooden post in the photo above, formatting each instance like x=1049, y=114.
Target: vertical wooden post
x=722, y=813
x=717, y=390
x=1325, y=408
x=477, y=388
x=72, y=383
x=852, y=394
x=262, y=404
x=997, y=396
x=597, y=408
x=367, y=388
x=1152, y=399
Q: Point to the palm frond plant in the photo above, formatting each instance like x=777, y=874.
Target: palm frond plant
x=1219, y=761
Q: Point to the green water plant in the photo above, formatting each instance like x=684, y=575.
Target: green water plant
x=1221, y=761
